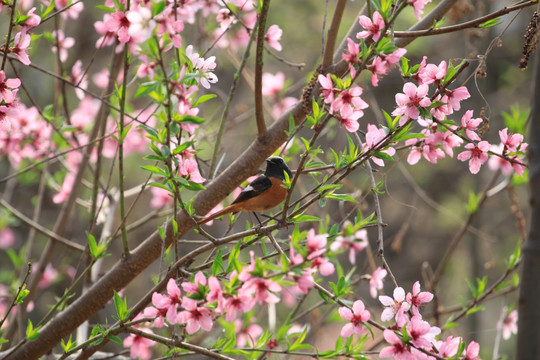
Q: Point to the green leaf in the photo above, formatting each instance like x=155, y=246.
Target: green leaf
x=121, y=307
x=217, y=264
x=102, y=7
x=22, y=295
x=115, y=339
x=341, y=197
x=147, y=88
x=491, y=23
x=514, y=258
x=48, y=10
x=31, y=333
x=189, y=119
x=67, y=346
x=156, y=170
x=157, y=7
x=304, y=218
x=203, y=99
x=475, y=309
x=474, y=201
x=92, y=245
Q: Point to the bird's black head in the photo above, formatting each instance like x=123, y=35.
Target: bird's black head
x=275, y=166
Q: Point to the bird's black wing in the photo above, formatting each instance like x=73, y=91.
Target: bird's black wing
x=255, y=188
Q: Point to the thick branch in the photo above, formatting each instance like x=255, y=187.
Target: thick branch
x=528, y=346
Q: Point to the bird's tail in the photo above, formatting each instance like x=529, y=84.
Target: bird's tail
x=229, y=209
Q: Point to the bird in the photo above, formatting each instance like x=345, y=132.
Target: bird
x=263, y=193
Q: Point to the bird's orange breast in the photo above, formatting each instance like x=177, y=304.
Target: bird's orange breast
x=268, y=199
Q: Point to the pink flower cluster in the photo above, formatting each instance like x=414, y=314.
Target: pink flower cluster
x=273, y=86
x=346, y=105
x=440, y=140
x=421, y=337
x=205, y=299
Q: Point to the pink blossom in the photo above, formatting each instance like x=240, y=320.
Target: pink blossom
x=8, y=88
x=351, y=243
x=79, y=79
x=139, y=347
x=316, y=244
x=85, y=112
x=472, y=351
x=395, y=307
x=351, y=55
x=418, y=6
x=62, y=44
x=477, y=155
x=248, y=335
x=456, y=96
x=398, y=350
x=161, y=198
x=374, y=136
x=449, y=347
x=141, y=24
x=263, y=290
x=440, y=111
x=471, y=125
x=323, y=265
x=356, y=317
x=72, y=12
x=328, y=91
x=65, y=190
x=432, y=73
x=497, y=162
x=273, y=36
x=237, y=304
x=107, y=37
x=33, y=19
x=118, y=23
x=20, y=46
x=194, y=316
x=282, y=105
x=272, y=84
x=203, y=67
x=189, y=166
x=169, y=302
x=225, y=18
x=49, y=275
x=383, y=63
x=511, y=142
x=450, y=141
x=193, y=287
x=421, y=333
x=372, y=28
x=376, y=281
x=348, y=102
x=409, y=101
x=215, y=293
x=245, y=274
x=7, y=238
x=509, y=325
x=157, y=314
x=418, y=298
x=304, y=282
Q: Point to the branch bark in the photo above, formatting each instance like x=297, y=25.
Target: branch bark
x=528, y=339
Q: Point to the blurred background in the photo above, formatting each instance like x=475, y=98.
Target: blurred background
x=423, y=206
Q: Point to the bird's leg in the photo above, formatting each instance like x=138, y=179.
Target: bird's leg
x=271, y=217
x=258, y=220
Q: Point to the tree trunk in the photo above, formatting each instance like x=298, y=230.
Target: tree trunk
x=528, y=343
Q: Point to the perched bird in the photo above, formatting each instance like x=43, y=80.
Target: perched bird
x=261, y=194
